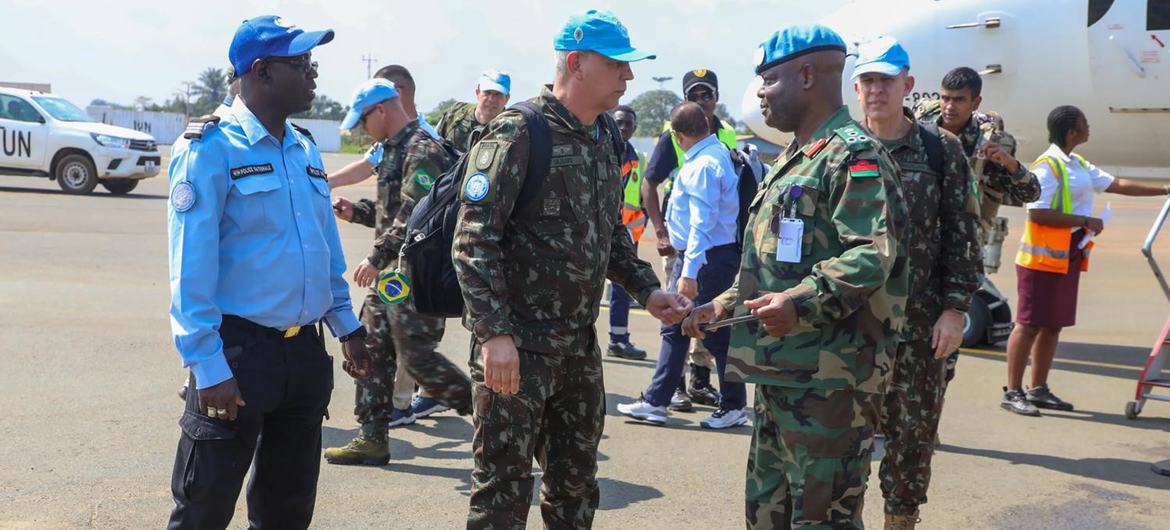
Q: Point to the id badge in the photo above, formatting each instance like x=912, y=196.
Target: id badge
x=790, y=236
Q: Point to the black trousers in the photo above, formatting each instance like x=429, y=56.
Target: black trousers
x=286, y=385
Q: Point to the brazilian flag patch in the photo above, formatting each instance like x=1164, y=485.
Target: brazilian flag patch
x=424, y=179
x=863, y=169
x=393, y=287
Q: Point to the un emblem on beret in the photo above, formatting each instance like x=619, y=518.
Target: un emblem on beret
x=759, y=58
x=578, y=34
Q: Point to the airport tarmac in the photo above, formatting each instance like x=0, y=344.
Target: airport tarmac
x=88, y=410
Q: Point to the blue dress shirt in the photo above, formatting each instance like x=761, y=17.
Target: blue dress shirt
x=252, y=234
x=704, y=204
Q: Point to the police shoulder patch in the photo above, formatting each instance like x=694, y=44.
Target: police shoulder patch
x=183, y=196
x=197, y=127
x=477, y=187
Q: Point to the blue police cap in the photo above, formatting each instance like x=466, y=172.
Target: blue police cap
x=794, y=41
x=271, y=36
x=495, y=80
x=600, y=32
x=369, y=93
x=883, y=55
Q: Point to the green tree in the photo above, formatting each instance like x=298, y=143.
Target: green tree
x=653, y=109
x=209, y=89
x=324, y=108
x=721, y=111
x=437, y=113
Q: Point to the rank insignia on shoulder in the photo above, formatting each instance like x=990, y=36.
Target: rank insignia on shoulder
x=305, y=132
x=198, y=126
x=855, y=139
x=316, y=172
x=863, y=169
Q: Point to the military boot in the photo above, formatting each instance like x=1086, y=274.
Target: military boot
x=364, y=450
x=902, y=522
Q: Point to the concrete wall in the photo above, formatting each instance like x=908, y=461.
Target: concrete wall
x=166, y=127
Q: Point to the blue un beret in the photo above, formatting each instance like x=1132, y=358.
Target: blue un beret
x=794, y=41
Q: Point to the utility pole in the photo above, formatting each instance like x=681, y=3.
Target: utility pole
x=661, y=81
x=369, y=60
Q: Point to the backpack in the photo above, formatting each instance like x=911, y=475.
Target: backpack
x=430, y=230
x=747, y=184
x=932, y=140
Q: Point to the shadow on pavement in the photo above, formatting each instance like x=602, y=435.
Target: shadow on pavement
x=1117, y=470
x=96, y=194
x=1125, y=362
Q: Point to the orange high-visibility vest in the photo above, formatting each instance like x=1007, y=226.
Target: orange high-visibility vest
x=1046, y=248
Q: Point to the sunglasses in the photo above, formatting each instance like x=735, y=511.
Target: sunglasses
x=695, y=97
x=362, y=120
x=301, y=63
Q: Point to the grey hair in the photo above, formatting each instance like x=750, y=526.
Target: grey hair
x=562, y=58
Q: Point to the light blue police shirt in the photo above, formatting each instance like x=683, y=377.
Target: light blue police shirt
x=252, y=234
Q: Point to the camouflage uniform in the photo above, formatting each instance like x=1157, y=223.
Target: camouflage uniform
x=411, y=160
x=458, y=124
x=537, y=274
x=942, y=243
x=997, y=184
x=818, y=389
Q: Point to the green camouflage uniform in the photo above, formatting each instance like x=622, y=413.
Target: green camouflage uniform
x=818, y=389
x=998, y=185
x=458, y=124
x=536, y=273
x=411, y=161
x=942, y=243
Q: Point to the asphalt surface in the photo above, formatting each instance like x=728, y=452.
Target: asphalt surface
x=88, y=411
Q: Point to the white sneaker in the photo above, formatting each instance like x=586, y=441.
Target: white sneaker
x=724, y=419
x=643, y=411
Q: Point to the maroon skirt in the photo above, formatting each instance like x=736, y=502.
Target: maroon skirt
x=1049, y=299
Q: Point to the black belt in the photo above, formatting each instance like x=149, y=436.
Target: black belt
x=289, y=333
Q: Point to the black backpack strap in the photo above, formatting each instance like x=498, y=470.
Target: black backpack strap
x=932, y=140
x=539, y=154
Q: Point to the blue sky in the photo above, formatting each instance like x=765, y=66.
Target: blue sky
x=119, y=50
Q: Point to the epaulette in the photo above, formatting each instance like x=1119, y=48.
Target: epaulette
x=197, y=127
x=927, y=109
x=855, y=139
x=305, y=132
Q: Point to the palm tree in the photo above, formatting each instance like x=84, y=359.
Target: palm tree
x=210, y=88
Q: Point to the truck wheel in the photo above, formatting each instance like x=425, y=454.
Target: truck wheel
x=76, y=174
x=120, y=186
x=975, y=323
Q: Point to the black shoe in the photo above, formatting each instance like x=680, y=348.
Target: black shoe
x=1016, y=401
x=704, y=395
x=625, y=350
x=680, y=403
x=1045, y=399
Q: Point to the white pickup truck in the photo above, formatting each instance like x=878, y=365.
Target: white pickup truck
x=47, y=136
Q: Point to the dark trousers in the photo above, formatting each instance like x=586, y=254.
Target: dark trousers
x=716, y=276
x=619, y=315
x=286, y=385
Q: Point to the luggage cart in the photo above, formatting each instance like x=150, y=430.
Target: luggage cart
x=1154, y=375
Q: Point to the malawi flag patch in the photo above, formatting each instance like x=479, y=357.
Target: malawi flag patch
x=863, y=169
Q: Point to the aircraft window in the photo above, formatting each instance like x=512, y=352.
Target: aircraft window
x=1097, y=9
x=1158, y=15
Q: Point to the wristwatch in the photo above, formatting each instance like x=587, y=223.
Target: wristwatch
x=360, y=332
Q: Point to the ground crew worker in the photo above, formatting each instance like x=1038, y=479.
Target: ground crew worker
x=402, y=343
x=532, y=277
x=1053, y=253
x=463, y=121
x=824, y=271
x=255, y=262
x=942, y=235
x=634, y=217
x=700, y=86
